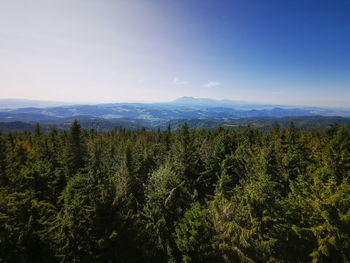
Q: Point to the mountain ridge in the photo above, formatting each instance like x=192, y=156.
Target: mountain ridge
x=151, y=113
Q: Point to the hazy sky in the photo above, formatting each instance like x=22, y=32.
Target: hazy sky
x=286, y=52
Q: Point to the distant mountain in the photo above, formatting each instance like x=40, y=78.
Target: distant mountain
x=204, y=102
x=152, y=114
x=24, y=103
x=302, y=122
x=241, y=105
x=147, y=113
x=190, y=101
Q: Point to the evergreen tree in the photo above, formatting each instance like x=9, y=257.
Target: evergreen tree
x=3, y=179
x=76, y=151
x=280, y=195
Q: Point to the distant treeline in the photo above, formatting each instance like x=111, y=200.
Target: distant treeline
x=189, y=195
x=262, y=123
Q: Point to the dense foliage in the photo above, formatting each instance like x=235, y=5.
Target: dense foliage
x=186, y=196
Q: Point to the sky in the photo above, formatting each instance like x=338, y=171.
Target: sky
x=272, y=51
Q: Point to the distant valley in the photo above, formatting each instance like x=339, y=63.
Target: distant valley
x=198, y=112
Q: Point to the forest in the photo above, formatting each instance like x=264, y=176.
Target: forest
x=185, y=195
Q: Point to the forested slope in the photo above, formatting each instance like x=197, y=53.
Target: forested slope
x=175, y=196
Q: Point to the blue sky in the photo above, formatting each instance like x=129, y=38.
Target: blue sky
x=283, y=52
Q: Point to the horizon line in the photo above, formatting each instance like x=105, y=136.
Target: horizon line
x=72, y=103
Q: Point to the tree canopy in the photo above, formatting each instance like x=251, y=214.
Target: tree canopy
x=279, y=195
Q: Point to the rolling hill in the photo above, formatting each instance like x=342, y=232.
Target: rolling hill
x=198, y=112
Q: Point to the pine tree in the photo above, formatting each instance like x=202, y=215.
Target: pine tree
x=186, y=161
x=76, y=151
x=3, y=177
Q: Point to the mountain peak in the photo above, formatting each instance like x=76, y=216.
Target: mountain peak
x=187, y=100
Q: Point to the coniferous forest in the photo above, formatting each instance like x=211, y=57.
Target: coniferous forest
x=280, y=195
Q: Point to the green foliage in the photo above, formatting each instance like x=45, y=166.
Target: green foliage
x=23, y=226
x=320, y=215
x=280, y=195
x=166, y=200
x=76, y=150
x=193, y=235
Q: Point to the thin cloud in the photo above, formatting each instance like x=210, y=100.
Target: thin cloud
x=177, y=81
x=212, y=84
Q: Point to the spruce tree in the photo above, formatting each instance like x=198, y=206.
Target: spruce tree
x=76, y=150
